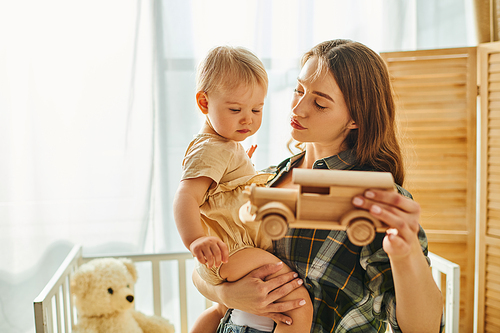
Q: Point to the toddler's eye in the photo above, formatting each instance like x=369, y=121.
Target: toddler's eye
x=110, y=290
x=298, y=91
x=128, y=285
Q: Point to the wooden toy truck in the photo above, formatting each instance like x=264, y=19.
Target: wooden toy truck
x=323, y=201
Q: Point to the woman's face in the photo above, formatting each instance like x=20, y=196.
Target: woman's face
x=319, y=111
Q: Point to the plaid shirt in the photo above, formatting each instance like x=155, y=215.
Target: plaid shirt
x=351, y=286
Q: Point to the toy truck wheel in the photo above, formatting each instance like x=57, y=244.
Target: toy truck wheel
x=274, y=226
x=361, y=232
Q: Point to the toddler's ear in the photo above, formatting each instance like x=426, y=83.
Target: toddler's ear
x=202, y=101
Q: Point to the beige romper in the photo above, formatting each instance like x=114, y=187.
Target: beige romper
x=227, y=164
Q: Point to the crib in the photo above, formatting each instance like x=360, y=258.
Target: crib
x=54, y=310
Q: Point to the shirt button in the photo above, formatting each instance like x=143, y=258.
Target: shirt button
x=320, y=163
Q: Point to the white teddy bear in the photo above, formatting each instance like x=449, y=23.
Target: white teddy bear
x=104, y=299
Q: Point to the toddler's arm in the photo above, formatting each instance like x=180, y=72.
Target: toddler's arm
x=188, y=198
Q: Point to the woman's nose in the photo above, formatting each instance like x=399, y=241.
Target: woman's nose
x=297, y=106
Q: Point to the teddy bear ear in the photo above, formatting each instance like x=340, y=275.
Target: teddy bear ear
x=130, y=267
x=80, y=281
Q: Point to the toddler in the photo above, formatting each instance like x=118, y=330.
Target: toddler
x=231, y=87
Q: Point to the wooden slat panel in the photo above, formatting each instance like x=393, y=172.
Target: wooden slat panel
x=492, y=266
x=489, y=195
x=492, y=286
x=436, y=98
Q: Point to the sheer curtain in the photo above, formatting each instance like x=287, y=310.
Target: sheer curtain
x=97, y=107
x=76, y=124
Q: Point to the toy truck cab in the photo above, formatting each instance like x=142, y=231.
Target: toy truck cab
x=322, y=201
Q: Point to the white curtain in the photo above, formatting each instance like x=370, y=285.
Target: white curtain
x=76, y=128
x=97, y=107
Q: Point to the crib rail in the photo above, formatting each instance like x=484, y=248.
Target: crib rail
x=47, y=304
x=54, y=307
x=451, y=270
x=54, y=310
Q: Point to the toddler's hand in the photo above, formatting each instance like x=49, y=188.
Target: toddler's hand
x=210, y=251
x=251, y=150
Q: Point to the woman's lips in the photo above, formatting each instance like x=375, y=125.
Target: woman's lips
x=296, y=125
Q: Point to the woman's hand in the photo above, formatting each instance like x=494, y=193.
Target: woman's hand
x=255, y=293
x=416, y=292
x=400, y=214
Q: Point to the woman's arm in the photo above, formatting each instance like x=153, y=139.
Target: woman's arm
x=188, y=198
x=419, y=303
x=254, y=293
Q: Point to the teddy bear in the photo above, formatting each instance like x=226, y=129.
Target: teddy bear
x=104, y=299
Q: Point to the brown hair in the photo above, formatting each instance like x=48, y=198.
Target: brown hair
x=224, y=66
x=363, y=78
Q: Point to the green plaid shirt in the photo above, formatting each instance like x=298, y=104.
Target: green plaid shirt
x=351, y=286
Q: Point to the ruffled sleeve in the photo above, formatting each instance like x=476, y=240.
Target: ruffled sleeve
x=207, y=157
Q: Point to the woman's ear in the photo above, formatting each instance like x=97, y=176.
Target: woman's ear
x=352, y=125
x=202, y=101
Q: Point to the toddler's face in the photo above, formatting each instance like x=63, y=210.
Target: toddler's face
x=236, y=113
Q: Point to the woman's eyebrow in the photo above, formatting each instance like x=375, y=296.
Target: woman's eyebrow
x=322, y=95
x=319, y=93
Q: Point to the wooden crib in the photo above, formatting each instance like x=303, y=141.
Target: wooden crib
x=54, y=310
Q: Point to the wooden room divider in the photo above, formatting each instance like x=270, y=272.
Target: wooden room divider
x=436, y=96
x=489, y=194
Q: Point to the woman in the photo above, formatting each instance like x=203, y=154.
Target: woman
x=343, y=112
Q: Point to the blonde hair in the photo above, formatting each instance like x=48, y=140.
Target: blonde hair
x=363, y=78
x=226, y=65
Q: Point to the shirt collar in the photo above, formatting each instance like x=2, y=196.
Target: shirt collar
x=343, y=161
